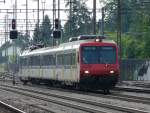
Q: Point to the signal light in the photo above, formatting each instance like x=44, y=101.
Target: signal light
x=57, y=34
x=13, y=23
x=13, y=34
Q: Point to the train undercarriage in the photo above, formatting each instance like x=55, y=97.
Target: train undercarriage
x=86, y=83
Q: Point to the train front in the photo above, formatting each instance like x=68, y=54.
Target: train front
x=99, y=65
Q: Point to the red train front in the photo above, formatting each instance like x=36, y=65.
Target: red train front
x=99, y=64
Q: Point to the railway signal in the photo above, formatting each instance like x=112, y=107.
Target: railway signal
x=57, y=34
x=13, y=23
x=13, y=34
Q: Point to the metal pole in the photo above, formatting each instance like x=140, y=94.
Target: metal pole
x=119, y=32
x=43, y=12
x=43, y=8
x=26, y=18
x=16, y=12
x=70, y=20
x=54, y=17
x=94, y=17
x=119, y=26
x=59, y=40
x=102, y=25
x=14, y=47
x=38, y=20
x=53, y=20
x=6, y=17
x=59, y=13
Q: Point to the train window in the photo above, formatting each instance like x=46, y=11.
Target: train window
x=21, y=61
x=45, y=60
x=31, y=61
x=68, y=59
x=60, y=59
x=34, y=60
x=49, y=60
x=52, y=60
x=24, y=61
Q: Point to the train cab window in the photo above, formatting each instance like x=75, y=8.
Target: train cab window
x=98, y=55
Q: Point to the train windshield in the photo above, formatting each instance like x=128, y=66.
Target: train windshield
x=98, y=55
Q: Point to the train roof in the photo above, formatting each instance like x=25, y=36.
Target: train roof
x=64, y=46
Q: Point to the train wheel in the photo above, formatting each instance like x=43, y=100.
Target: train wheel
x=106, y=91
x=24, y=82
x=35, y=81
x=76, y=86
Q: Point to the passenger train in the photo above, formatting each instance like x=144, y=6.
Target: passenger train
x=88, y=61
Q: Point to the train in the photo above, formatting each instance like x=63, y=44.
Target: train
x=86, y=62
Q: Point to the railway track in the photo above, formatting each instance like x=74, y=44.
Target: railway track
x=6, y=108
x=133, y=89
x=76, y=103
x=114, y=95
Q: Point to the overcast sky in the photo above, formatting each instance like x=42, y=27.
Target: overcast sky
x=32, y=15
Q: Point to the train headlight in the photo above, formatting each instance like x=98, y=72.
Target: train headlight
x=112, y=72
x=98, y=40
x=86, y=72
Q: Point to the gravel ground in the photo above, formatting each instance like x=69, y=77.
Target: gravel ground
x=29, y=105
x=105, y=100
x=2, y=110
x=135, y=83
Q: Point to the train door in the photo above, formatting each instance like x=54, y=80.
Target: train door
x=53, y=66
x=74, y=71
x=28, y=67
x=40, y=67
x=77, y=64
x=67, y=67
x=59, y=66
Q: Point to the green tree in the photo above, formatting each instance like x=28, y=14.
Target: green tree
x=36, y=34
x=135, y=26
x=43, y=35
x=22, y=41
x=80, y=21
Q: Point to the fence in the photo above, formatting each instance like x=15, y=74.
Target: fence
x=135, y=69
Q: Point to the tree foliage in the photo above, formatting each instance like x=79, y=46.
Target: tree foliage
x=80, y=21
x=135, y=26
x=22, y=41
x=43, y=34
